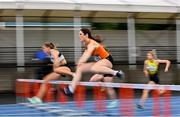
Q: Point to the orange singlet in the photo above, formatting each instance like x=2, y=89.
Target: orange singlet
x=100, y=51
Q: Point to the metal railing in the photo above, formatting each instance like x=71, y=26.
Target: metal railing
x=119, y=53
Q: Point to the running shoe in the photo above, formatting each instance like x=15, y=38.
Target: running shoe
x=113, y=104
x=35, y=100
x=139, y=106
x=67, y=91
x=120, y=74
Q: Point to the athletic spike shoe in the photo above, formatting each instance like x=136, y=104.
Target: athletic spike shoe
x=66, y=91
x=120, y=74
x=139, y=106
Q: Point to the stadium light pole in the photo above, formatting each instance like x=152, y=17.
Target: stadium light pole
x=131, y=41
x=178, y=41
x=77, y=43
x=20, y=40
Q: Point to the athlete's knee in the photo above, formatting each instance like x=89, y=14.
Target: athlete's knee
x=46, y=80
x=80, y=69
x=108, y=79
x=55, y=70
x=92, y=80
x=151, y=82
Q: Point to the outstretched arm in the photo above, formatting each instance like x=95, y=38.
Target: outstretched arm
x=167, y=62
x=87, y=54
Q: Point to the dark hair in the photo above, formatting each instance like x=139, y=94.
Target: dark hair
x=50, y=45
x=97, y=38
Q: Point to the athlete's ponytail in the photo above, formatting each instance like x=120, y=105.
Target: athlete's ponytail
x=154, y=53
x=50, y=45
x=97, y=38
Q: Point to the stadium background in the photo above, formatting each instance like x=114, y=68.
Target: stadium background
x=129, y=28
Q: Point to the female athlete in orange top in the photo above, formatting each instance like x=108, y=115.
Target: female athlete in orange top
x=105, y=78
x=103, y=66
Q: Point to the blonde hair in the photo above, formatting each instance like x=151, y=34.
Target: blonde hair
x=153, y=53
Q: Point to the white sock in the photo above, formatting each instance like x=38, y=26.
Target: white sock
x=115, y=72
x=71, y=89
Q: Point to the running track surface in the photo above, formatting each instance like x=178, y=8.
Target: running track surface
x=55, y=109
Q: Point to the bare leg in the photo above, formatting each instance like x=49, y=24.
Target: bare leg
x=110, y=90
x=96, y=77
x=161, y=92
x=86, y=67
x=103, y=66
x=43, y=88
x=63, y=70
x=145, y=94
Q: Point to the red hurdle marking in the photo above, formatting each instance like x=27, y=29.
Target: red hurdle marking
x=61, y=97
x=126, y=95
x=99, y=97
x=80, y=96
x=49, y=94
x=167, y=103
x=156, y=102
x=27, y=90
x=19, y=87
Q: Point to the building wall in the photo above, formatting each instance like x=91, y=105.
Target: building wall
x=115, y=40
